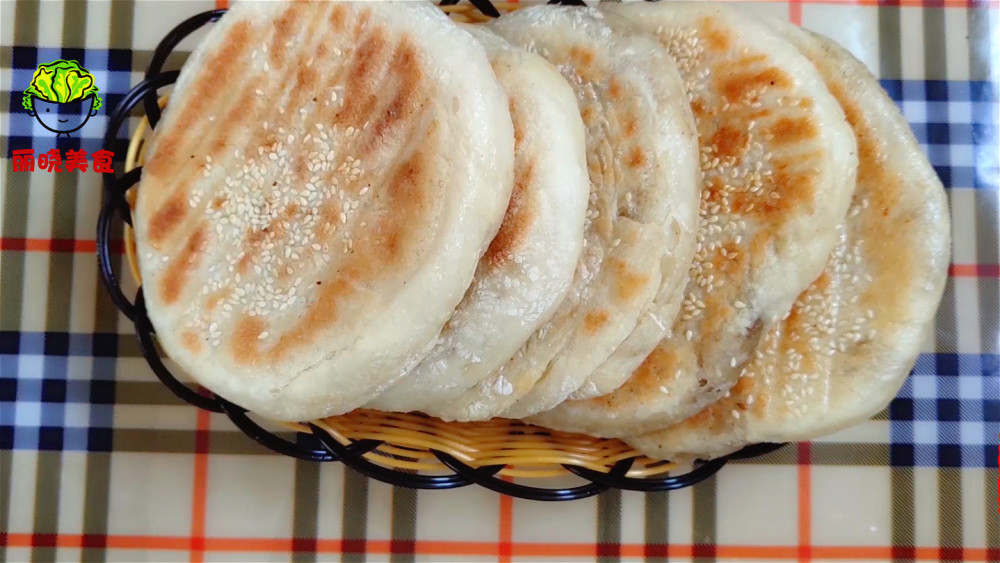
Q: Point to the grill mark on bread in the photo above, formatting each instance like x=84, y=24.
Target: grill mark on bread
x=322, y=314
x=225, y=66
x=407, y=196
x=615, y=90
x=739, y=81
x=594, y=321
x=792, y=130
x=656, y=371
x=628, y=284
x=515, y=116
x=716, y=38
x=581, y=57
x=284, y=27
x=338, y=18
x=401, y=115
x=516, y=221
x=246, y=340
x=190, y=341
x=729, y=142
x=636, y=158
x=168, y=217
x=365, y=75
x=631, y=127
x=180, y=268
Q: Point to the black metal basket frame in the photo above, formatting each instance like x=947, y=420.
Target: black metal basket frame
x=320, y=445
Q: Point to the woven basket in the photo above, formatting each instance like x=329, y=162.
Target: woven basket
x=406, y=449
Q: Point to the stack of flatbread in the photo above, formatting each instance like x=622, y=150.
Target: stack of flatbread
x=675, y=224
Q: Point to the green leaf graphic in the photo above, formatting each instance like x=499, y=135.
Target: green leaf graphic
x=61, y=81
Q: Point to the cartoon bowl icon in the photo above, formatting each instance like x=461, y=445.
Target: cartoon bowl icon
x=63, y=118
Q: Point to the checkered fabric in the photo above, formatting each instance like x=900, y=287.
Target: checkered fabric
x=99, y=462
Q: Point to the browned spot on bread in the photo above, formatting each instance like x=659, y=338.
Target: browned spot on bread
x=631, y=127
x=714, y=189
x=338, y=18
x=514, y=110
x=323, y=313
x=716, y=315
x=581, y=57
x=698, y=107
x=628, y=283
x=190, y=341
x=587, y=114
x=406, y=102
x=246, y=340
x=254, y=238
x=615, y=90
x=795, y=189
x=407, y=193
x=734, y=268
x=214, y=299
x=741, y=85
x=306, y=79
x=243, y=266
x=595, y=320
x=718, y=417
x=758, y=247
x=516, y=221
x=177, y=272
x=636, y=158
x=285, y=29
x=364, y=19
x=168, y=217
x=659, y=369
x=364, y=77
x=792, y=130
x=729, y=141
x=715, y=36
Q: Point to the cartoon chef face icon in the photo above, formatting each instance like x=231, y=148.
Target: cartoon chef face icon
x=62, y=96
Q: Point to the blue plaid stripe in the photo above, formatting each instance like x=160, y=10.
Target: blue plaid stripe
x=955, y=122
x=948, y=412
x=57, y=391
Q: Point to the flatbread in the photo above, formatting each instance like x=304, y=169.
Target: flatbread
x=641, y=153
x=307, y=221
x=853, y=336
x=778, y=162
x=655, y=323
x=527, y=270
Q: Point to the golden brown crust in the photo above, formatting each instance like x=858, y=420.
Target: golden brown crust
x=517, y=220
x=180, y=267
x=382, y=70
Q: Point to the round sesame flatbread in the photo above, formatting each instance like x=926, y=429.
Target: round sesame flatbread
x=852, y=337
x=641, y=154
x=778, y=161
x=527, y=270
x=307, y=221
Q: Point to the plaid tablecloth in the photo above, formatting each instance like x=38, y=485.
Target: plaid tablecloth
x=99, y=462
